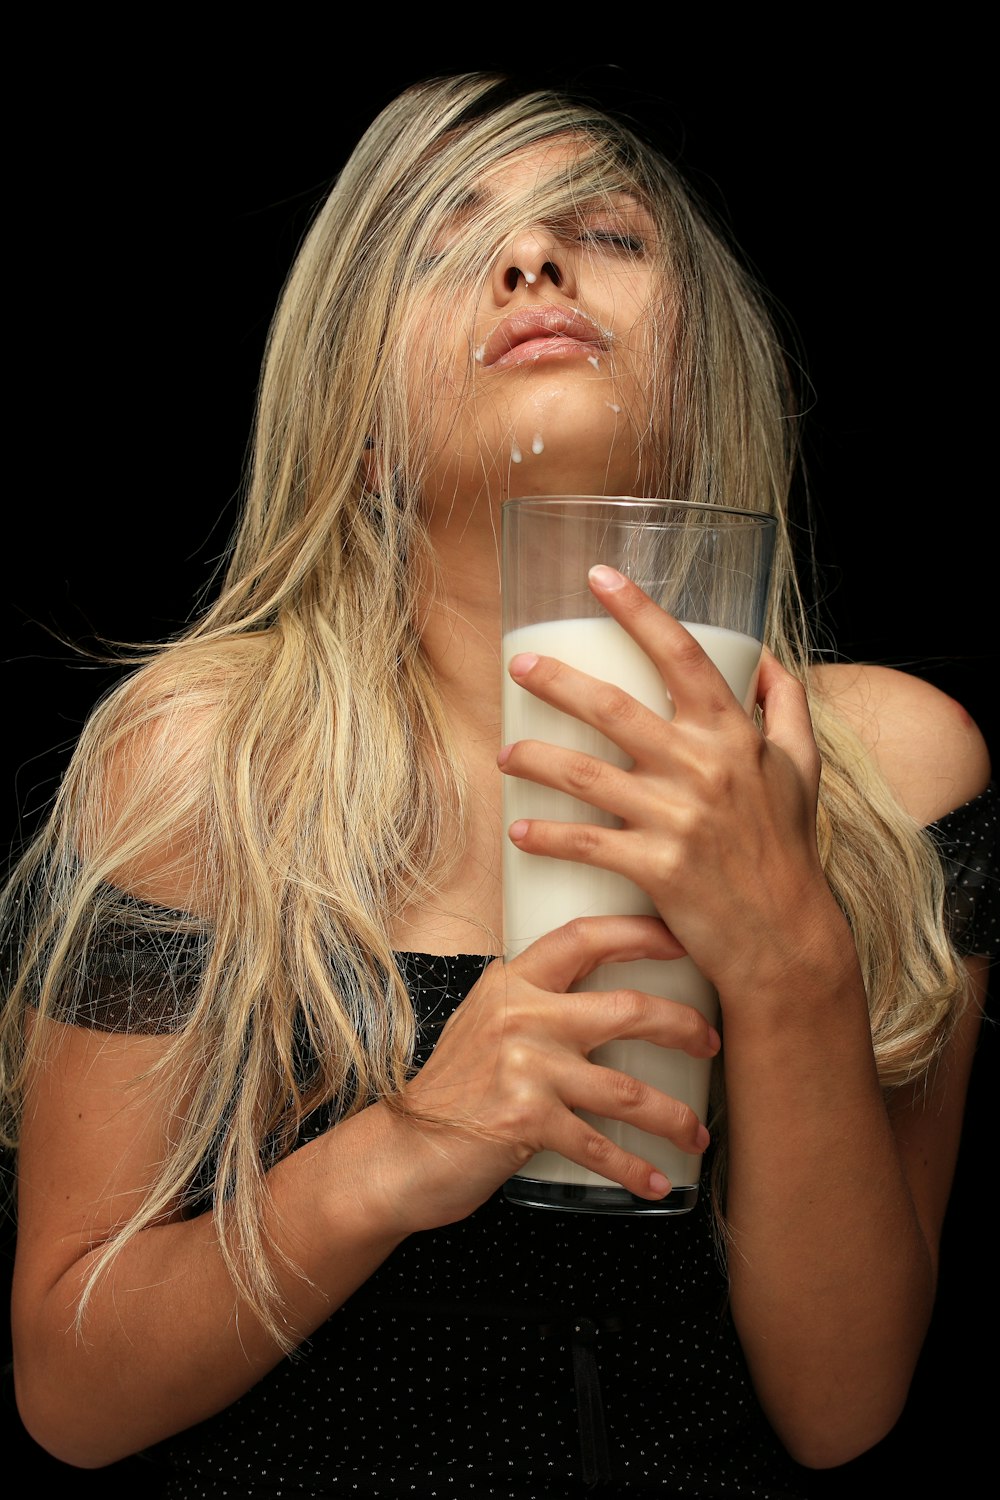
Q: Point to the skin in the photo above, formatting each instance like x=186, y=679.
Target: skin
x=836, y=1201
x=586, y=400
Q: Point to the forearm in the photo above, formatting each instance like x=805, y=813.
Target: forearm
x=165, y=1339
x=832, y=1272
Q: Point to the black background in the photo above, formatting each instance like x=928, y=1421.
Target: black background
x=153, y=233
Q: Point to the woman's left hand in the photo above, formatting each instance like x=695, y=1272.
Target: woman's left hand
x=718, y=816
x=834, y=1200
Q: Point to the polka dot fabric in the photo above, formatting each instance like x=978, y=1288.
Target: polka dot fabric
x=524, y=1354
x=968, y=841
x=518, y=1353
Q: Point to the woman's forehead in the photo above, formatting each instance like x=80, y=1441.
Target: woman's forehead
x=561, y=157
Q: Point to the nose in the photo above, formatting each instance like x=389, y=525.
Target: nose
x=534, y=259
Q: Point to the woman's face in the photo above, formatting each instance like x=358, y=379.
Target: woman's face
x=547, y=389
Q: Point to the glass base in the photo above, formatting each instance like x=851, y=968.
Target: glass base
x=567, y=1197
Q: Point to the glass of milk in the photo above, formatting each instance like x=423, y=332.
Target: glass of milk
x=709, y=566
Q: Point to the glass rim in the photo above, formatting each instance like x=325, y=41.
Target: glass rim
x=625, y=503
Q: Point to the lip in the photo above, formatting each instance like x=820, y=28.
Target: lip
x=534, y=333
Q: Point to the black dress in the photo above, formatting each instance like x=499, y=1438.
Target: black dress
x=523, y=1353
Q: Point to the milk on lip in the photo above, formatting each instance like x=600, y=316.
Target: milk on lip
x=542, y=893
x=536, y=309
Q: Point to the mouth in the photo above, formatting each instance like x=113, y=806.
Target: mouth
x=542, y=333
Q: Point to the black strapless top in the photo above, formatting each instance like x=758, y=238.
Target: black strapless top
x=523, y=1354
x=518, y=1353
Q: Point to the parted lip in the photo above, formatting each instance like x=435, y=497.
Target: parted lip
x=540, y=323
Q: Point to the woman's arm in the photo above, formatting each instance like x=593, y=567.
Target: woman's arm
x=835, y=1247
x=835, y=1201
x=165, y=1340
x=835, y=1206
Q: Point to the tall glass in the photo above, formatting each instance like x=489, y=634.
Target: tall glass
x=710, y=567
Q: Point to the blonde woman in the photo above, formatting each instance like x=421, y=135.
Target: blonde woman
x=264, y=1067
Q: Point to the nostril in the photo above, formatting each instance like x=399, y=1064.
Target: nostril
x=511, y=279
x=552, y=272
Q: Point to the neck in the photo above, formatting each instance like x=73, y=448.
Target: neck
x=460, y=634
x=460, y=628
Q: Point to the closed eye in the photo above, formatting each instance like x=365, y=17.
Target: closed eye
x=614, y=239
x=623, y=227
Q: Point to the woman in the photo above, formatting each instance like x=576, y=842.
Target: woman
x=253, y=1235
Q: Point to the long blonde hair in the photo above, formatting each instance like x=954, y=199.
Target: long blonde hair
x=311, y=770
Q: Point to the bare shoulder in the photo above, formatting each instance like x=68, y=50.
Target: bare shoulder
x=926, y=745
x=151, y=763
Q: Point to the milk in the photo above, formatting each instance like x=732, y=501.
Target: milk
x=542, y=893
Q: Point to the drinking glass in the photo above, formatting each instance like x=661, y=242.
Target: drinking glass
x=709, y=566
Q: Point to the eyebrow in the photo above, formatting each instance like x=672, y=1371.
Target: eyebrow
x=616, y=197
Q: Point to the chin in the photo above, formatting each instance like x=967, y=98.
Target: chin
x=576, y=473
x=576, y=442
x=560, y=451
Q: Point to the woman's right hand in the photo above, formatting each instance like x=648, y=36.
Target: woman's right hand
x=512, y=1065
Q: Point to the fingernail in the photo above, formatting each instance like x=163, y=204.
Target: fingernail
x=606, y=578
x=658, y=1183
x=702, y=1139
x=504, y=755
x=522, y=663
x=519, y=829
x=714, y=1039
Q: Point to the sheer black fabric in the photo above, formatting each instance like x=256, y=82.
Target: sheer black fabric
x=520, y=1353
x=140, y=965
x=968, y=841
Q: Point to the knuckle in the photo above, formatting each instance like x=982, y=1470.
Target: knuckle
x=686, y=819
x=518, y=1060
x=519, y=1121
x=629, y=1093
x=582, y=772
x=584, y=842
x=684, y=1123
x=599, y=1152
x=695, y=1026
x=625, y=1008
x=717, y=781
x=614, y=706
x=665, y=866
x=688, y=652
x=579, y=933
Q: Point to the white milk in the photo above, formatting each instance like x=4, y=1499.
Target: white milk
x=542, y=893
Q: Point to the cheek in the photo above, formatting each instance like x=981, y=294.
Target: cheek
x=638, y=324
x=430, y=415
x=438, y=353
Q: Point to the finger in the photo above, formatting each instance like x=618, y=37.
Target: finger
x=569, y=953
x=620, y=850
x=581, y=1142
x=619, y=1015
x=596, y=782
x=607, y=1094
x=623, y=719
x=786, y=720
x=695, y=683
